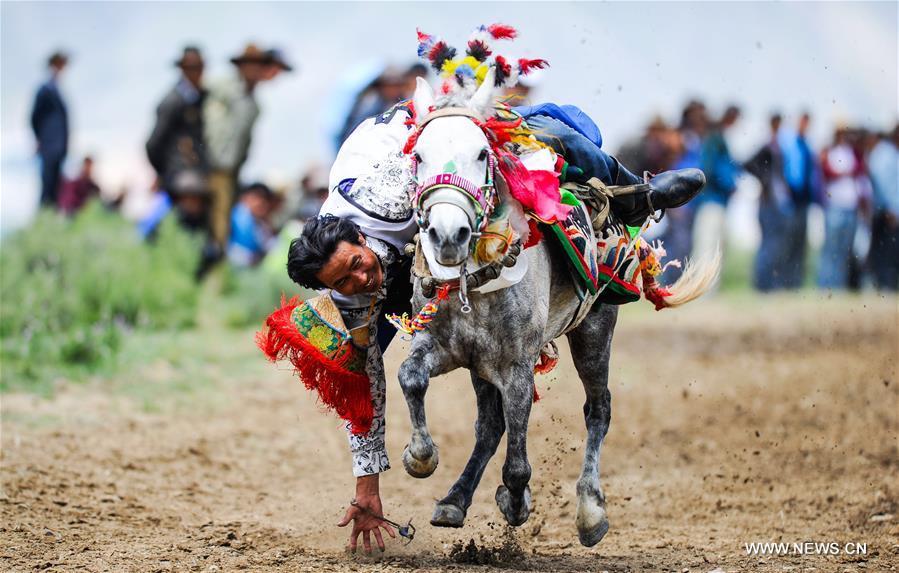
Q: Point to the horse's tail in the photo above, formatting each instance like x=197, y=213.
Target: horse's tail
x=696, y=280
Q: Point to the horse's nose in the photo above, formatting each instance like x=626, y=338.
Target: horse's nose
x=452, y=245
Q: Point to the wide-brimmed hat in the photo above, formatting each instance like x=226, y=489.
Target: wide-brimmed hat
x=251, y=54
x=276, y=56
x=313, y=337
x=189, y=51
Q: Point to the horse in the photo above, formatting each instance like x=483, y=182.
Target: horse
x=498, y=335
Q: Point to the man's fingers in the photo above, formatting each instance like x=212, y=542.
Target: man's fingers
x=346, y=518
x=389, y=530
x=354, y=540
x=366, y=541
x=378, y=538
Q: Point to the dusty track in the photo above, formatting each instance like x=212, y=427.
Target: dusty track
x=756, y=420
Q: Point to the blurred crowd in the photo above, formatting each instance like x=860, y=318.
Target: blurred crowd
x=203, y=135
x=853, y=180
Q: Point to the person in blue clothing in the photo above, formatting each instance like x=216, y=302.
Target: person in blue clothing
x=721, y=172
x=251, y=235
x=50, y=123
x=802, y=176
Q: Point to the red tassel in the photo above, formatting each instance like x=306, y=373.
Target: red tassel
x=526, y=66
x=502, y=32
x=534, y=236
x=347, y=393
x=656, y=295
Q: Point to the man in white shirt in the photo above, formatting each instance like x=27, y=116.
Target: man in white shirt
x=356, y=248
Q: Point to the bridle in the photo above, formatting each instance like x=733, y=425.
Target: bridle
x=477, y=201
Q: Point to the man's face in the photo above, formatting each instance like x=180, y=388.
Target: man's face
x=352, y=269
x=192, y=68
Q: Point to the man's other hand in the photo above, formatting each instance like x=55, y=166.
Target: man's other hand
x=366, y=515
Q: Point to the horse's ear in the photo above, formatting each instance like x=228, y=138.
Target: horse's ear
x=482, y=100
x=423, y=98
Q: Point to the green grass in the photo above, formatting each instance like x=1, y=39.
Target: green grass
x=87, y=299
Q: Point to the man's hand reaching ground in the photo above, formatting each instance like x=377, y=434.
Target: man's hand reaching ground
x=365, y=513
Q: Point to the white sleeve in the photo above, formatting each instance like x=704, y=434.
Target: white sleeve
x=370, y=450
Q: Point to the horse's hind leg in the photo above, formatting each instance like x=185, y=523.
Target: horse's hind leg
x=591, y=346
x=514, y=496
x=425, y=360
x=488, y=431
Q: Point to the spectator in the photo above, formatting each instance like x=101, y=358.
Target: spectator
x=775, y=211
x=50, y=123
x=721, y=181
x=883, y=166
x=413, y=72
x=75, y=193
x=229, y=114
x=175, y=148
x=313, y=192
x=801, y=174
x=678, y=234
x=251, y=233
x=390, y=87
x=843, y=171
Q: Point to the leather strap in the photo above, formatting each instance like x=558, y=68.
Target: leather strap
x=449, y=112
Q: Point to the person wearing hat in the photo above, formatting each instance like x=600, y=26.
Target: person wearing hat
x=50, y=123
x=175, y=147
x=229, y=113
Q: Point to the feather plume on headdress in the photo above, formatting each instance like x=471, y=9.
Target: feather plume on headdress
x=462, y=75
x=526, y=66
x=502, y=32
x=425, y=43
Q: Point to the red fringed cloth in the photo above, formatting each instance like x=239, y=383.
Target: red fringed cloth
x=323, y=356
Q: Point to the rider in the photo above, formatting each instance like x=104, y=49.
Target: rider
x=355, y=247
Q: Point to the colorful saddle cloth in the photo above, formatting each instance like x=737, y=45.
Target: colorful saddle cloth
x=575, y=236
x=607, y=264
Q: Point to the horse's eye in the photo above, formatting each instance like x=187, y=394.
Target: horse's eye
x=483, y=155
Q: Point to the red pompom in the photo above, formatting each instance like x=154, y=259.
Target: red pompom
x=502, y=32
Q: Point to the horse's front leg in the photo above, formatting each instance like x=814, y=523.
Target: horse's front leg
x=488, y=431
x=514, y=496
x=425, y=360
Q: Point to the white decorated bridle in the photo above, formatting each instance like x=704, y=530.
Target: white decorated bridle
x=477, y=201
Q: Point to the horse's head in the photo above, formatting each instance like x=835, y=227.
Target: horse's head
x=454, y=167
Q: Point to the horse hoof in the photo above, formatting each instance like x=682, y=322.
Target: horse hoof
x=447, y=515
x=592, y=522
x=419, y=468
x=516, y=512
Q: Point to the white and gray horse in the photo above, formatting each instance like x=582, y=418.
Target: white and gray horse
x=500, y=339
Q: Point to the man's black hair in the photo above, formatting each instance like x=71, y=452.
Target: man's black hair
x=313, y=248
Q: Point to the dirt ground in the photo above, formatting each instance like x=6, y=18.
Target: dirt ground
x=734, y=421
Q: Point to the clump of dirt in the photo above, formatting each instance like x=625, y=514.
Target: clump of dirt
x=508, y=553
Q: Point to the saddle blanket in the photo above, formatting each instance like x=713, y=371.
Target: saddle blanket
x=605, y=264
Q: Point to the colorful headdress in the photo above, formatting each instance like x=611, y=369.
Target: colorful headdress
x=465, y=73
x=312, y=335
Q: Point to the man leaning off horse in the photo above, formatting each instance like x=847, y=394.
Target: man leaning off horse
x=355, y=248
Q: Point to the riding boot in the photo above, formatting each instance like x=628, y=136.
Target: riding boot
x=666, y=190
